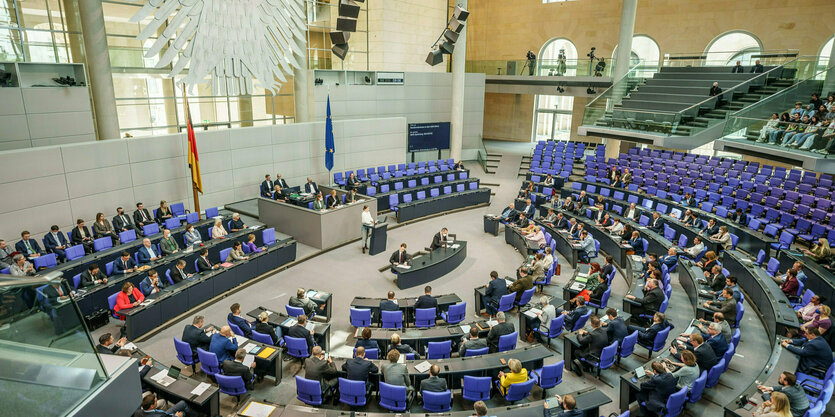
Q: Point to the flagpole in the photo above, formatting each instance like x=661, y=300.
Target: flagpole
x=193, y=183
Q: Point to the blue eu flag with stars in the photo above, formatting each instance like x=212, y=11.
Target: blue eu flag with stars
x=329, y=138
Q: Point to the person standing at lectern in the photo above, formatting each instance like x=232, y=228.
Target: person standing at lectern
x=440, y=239
x=368, y=223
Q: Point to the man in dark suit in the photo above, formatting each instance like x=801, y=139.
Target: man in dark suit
x=267, y=187
x=235, y=367
x=591, y=344
x=151, y=284
x=203, y=264
x=427, y=300
x=757, y=68
x=301, y=332
x=688, y=200
x=567, y=407
x=653, y=394
x=403, y=348
x=28, y=247
x=358, y=368
x=147, y=253
x=529, y=209
x=124, y=265
x=56, y=242
x=500, y=329
x=317, y=368
x=646, y=336
x=235, y=318
x=670, y=259
x=92, y=276
x=740, y=217
x=737, y=68
x=195, y=336
x=561, y=222
x=224, y=344
x=705, y=355
x=390, y=303
x=310, y=187
x=651, y=302
x=433, y=383
x=178, y=272
x=122, y=222
x=656, y=224
x=496, y=288
x=814, y=352
x=149, y=407
x=107, y=346
x=352, y=183
x=472, y=343
x=637, y=243
x=572, y=316
x=440, y=239
x=142, y=216
x=280, y=181
x=81, y=236
x=399, y=257
x=615, y=327
x=508, y=214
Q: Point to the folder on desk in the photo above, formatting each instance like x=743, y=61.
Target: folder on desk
x=265, y=352
x=256, y=409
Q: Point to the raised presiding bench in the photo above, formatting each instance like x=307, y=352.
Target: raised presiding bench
x=431, y=266
x=445, y=202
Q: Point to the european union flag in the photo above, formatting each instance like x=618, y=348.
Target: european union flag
x=329, y=138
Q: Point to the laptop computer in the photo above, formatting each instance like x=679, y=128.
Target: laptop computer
x=173, y=374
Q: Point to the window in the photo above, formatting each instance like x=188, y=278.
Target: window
x=730, y=47
x=645, y=53
x=823, y=57
x=552, y=113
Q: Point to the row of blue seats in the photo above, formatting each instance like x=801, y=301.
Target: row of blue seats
x=399, y=170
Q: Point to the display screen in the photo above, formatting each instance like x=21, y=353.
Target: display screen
x=428, y=136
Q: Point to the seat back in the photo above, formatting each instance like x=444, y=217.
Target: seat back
x=392, y=319
x=184, y=353
x=608, y=355
x=76, y=281
x=127, y=236
x=476, y=388
x=192, y=218
x=293, y=311
x=506, y=302
x=526, y=296
x=46, y=261
x=111, y=302
x=208, y=362
x=235, y=328
x=372, y=353
x=296, y=346
x=675, y=403
x=224, y=253
x=211, y=212
x=439, y=350
x=508, y=341
x=393, y=397
x=172, y=223
x=476, y=352
x=771, y=267
x=262, y=338
x=519, y=390
x=151, y=229
x=268, y=236
x=714, y=374
x=456, y=313
x=698, y=388
x=425, y=317
x=551, y=375
x=581, y=321
x=627, y=346
x=308, y=391
x=102, y=243
x=360, y=317
x=437, y=402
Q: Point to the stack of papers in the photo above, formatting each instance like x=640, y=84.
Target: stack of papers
x=423, y=366
x=290, y=322
x=309, y=326
x=129, y=346
x=492, y=323
x=249, y=347
x=256, y=409
x=248, y=359
x=241, y=340
x=636, y=258
x=200, y=389
x=404, y=266
x=465, y=328
x=577, y=286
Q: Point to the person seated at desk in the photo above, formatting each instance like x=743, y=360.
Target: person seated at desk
x=400, y=257
x=125, y=264
x=80, y=235
x=305, y=303
x=129, y=297
x=394, y=343
x=653, y=394
x=608, y=266
x=637, y=243
x=591, y=344
x=715, y=339
x=107, y=346
x=427, y=300
x=333, y=200
x=820, y=251
x=787, y=385
x=560, y=223
x=712, y=228
x=688, y=217
x=537, y=235
x=777, y=406
x=167, y=245
x=352, y=183
x=263, y=326
x=102, y=228
x=317, y=368
x=715, y=279
x=657, y=223
x=525, y=281
x=358, y=368
x=723, y=237
x=798, y=268
x=365, y=340
x=437, y=384
x=529, y=210
x=578, y=310
x=218, y=232
x=626, y=177
x=300, y=331
x=821, y=321
x=615, y=227
x=550, y=218
x=92, y=276
x=596, y=286
x=195, y=336
x=163, y=212
x=670, y=259
x=708, y=261
x=688, y=200
x=615, y=326
x=494, y=290
x=151, y=284
x=21, y=267
x=236, y=224
x=500, y=329
x=471, y=343
x=121, y=221
x=730, y=282
x=267, y=187
x=192, y=236
x=280, y=181
x=56, y=242
x=395, y=373
x=688, y=370
x=517, y=374
x=224, y=344
x=279, y=194
x=146, y=253
x=739, y=217
x=567, y=406
x=441, y=239
x=178, y=271
x=631, y=212
x=697, y=248
x=581, y=201
x=390, y=303
x=567, y=205
x=647, y=335
x=352, y=197
x=791, y=284
x=203, y=264
x=719, y=319
x=235, y=367
x=149, y=408
x=618, y=181
x=508, y=215
x=542, y=321
x=814, y=352
x=310, y=187
x=547, y=259
x=573, y=227
x=141, y=217
x=810, y=311
x=250, y=244
x=237, y=253
x=726, y=306
x=237, y=319
x=605, y=221
x=319, y=202
x=587, y=247
x=459, y=166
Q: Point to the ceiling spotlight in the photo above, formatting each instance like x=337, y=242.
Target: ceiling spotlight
x=435, y=57
x=340, y=50
x=460, y=14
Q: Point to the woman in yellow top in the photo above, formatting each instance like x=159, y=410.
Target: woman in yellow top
x=517, y=374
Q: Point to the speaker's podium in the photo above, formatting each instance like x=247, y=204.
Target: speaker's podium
x=378, y=239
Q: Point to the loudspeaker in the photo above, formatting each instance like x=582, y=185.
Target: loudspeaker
x=456, y=26
x=451, y=36
x=346, y=24
x=339, y=37
x=435, y=57
x=460, y=14
x=340, y=50
x=447, y=47
x=348, y=8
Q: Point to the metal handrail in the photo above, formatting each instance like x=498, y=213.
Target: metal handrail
x=783, y=91
x=625, y=76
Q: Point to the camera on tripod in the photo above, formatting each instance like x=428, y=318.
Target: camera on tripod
x=591, y=53
x=530, y=55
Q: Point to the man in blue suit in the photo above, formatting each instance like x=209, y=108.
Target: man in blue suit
x=124, y=265
x=151, y=284
x=571, y=317
x=267, y=187
x=235, y=318
x=654, y=393
x=814, y=352
x=28, y=247
x=56, y=242
x=671, y=258
x=637, y=243
x=615, y=327
x=529, y=209
x=147, y=253
x=715, y=340
x=310, y=187
x=496, y=288
x=647, y=336
x=224, y=344
x=390, y=303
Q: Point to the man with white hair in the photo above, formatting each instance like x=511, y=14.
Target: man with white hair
x=500, y=329
x=236, y=225
x=147, y=253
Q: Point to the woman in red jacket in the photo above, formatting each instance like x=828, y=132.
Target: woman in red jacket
x=791, y=284
x=129, y=297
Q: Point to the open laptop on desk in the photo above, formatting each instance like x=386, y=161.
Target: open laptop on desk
x=168, y=378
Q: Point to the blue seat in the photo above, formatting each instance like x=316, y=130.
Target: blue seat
x=224, y=253
x=549, y=376
x=102, y=243
x=437, y=402
x=127, y=236
x=392, y=319
x=111, y=302
x=294, y=311
x=393, y=397
x=606, y=359
x=425, y=317
x=555, y=328
x=76, y=280
x=507, y=302
x=476, y=352
x=372, y=353
x=455, y=314
x=151, y=229
x=231, y=385
x=352, y=393
x=714, y=374
x=675, y=403
x=518, y=391
x=309, y=391
x=208, y=362
x=627, y=345
x=476, y=388
x=439, y=350
x=604, y=300
x=659, y=342
x=184, y=353
x=211, y=212
x=262, y=338
x=192, y=218
x=695, y=393
x=508, y=341
x=296, y=347
x=581, y=321
x=46, y=261
x=172, y=223
x=526, y=297
x=268, y=236
x=235, y=328
x=360, y=317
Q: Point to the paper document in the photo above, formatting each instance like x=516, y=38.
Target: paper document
x=290, y=322
x=423, y=366
x=129, y=346
x=253, y=227
x=404, y=266
x=249, y=346
x=309, y=326
x=255, y=409
x=492, y=323
x=160, y=375
x=577, y=286
x=536, y=310
x=146, y=302
x=269, y=313
x=530, y=313
x=248, y=359
x=465, y=328
x=241, y=340
x=200, y=389
x=636, y=258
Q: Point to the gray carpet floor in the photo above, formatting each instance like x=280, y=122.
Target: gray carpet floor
x=347, y=273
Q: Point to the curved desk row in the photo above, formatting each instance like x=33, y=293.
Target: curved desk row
x=321, y=331
x=433, y=205
x=431, y=266
x=418, y=338
x=818, y=279
x=383, y=198
x=407, y=305
x=515, y=238
x=456, y=174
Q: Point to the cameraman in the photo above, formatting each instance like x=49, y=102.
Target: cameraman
x=599, y=68
x=531, y=62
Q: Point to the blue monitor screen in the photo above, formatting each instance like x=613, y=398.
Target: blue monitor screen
x=428, y=136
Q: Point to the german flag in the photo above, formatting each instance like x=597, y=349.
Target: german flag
x=193, y=160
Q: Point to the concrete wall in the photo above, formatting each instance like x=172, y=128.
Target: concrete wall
x=402, y=32
x=58, y=184
x=424, y=97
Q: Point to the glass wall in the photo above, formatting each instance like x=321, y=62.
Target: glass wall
x=552, y=113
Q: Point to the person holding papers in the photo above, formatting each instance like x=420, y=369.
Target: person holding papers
x=400, y=258
x=236, y=367
x=300, y=331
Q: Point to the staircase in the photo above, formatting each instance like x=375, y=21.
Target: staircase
x=524, y=166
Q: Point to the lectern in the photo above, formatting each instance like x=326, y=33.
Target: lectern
x=378, y=239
